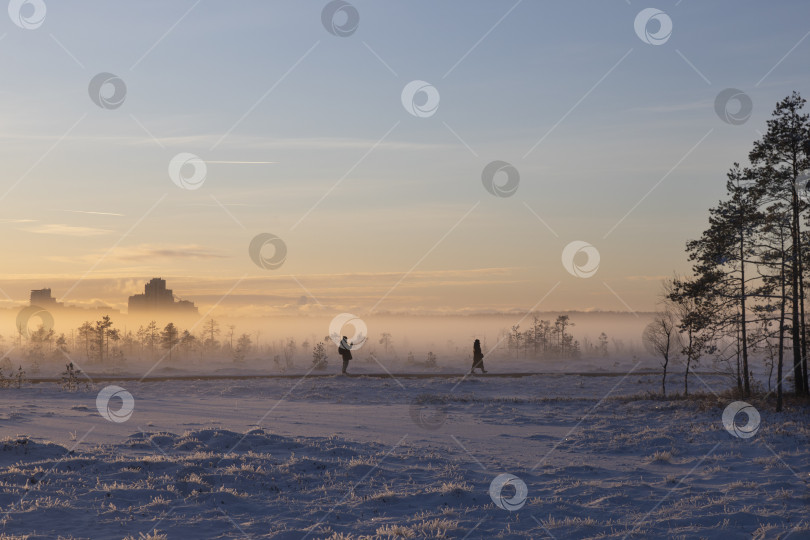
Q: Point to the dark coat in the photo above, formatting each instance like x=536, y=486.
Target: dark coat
x=346, y=354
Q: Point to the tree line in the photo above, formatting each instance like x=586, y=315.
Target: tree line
x=101, y=342
x=553, y=339
x=745, y=297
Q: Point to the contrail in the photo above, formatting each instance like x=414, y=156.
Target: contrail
x=243, y=162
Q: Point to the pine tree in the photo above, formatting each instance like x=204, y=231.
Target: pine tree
x=782, y=156
x=773, y=265
x=169, y=338
x=721, y=257
x=243, y=345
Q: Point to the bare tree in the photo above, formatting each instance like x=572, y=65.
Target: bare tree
x=231, y=330
x=515, y=337
x=289, y=352
x=692, y=304
x=661, y=338
x=210, y=331
x=385, y=341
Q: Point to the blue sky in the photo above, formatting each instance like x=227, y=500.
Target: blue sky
x=265, y=82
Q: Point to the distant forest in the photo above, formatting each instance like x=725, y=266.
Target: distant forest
x=100, y=342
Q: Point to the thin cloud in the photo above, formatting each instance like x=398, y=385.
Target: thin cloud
x=61, y=229
x=215, y=205
x=675, y=107
x=251, y=142
x=303, y=143
x=92, y=212
x=145, y=255
x=646, y=278
x=143, y=252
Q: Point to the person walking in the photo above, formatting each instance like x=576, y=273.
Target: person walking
x=345, y=352
x=478, y=357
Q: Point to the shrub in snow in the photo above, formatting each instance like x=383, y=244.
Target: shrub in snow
x=12, y=379
x=429, y=362
x=70, y=378
x=319, y=357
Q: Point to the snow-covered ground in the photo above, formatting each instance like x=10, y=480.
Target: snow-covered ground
x=395, y=457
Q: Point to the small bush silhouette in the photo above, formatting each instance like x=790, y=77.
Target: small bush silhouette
x=319, y=357
x=70, y=378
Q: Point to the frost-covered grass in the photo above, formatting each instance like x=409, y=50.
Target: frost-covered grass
x=348, y=459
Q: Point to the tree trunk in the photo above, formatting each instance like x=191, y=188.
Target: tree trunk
x=688, y=363
x=803, y=326
x=686, y=377
x=798, y=379
x=743, y=319
x=781, y=341
x=739, y=359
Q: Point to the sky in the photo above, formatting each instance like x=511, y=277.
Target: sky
x=609, y=129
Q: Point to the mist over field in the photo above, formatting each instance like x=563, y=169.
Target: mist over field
x=450, y=338
x=355, y=270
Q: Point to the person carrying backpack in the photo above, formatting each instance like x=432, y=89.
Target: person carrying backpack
x=345, y=352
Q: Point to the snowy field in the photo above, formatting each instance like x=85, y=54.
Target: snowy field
x=396, y=457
